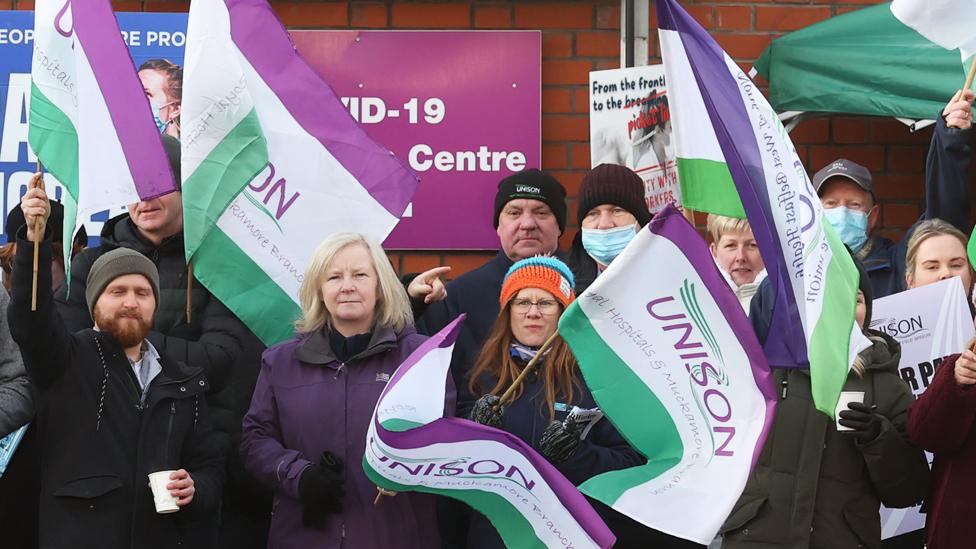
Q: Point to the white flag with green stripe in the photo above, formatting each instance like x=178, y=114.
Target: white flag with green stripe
x=671, y=359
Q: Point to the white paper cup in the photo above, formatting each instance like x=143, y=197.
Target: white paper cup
x=846, y=397
x=165, y=503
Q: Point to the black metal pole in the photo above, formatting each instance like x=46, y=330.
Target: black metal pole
x=629, y=33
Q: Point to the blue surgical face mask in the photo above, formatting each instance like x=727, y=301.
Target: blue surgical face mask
x=604, y=245
x=155, y=112
x=850, y=225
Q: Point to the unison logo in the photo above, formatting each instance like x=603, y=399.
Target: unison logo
x=900, y=328
x=465, y=468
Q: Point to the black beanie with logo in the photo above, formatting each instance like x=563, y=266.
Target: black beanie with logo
x=533, y=184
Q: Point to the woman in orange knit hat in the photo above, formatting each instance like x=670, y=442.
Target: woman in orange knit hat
x=552, y=410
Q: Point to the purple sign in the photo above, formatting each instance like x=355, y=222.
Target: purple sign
x=462, y=108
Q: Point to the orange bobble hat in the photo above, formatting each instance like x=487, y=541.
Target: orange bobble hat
x=545, y=273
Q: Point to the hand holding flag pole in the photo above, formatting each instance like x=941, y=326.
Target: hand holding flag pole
x=38, y=237
x=506, y=396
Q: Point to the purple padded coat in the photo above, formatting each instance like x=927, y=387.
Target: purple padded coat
x=307, y=402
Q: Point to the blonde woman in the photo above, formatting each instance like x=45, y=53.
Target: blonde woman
x=736, y=253
x=304, y=434
x=943, y=419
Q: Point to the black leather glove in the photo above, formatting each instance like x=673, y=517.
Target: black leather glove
x=487, y=412
x=865, y=422
x=321, y=490
x=559, y=441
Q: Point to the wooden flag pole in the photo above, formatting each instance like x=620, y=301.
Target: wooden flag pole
x=507, y=395
x=38, y=237
x=970, y=76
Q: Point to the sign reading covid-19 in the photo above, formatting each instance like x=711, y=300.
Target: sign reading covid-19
x=462, y=109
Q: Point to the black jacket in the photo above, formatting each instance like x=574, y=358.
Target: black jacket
x=100, y=442
x=213, y=338
x=603, y=449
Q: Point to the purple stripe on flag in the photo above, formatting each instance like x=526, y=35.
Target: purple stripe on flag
x=670, y=224
x=99, y=34
x=313, y=103
x=449, y=430
x=442, y=339
x=786, y=343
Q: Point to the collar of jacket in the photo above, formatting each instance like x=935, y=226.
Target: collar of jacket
x=884, y=354
x=176, y=380
x=121, y=232
x=316, y=349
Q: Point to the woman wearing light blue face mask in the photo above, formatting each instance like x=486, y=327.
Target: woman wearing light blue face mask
x=611, y=211
x=163, y=82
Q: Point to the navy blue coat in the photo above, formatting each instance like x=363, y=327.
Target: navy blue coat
x=475, y=293
x=603, y=449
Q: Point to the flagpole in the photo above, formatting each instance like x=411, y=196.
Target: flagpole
x=970, y=76
x=507, y=395
x=189, y=292
x=37, y=246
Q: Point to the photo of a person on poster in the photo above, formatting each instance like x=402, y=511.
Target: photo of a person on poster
x=163, y=81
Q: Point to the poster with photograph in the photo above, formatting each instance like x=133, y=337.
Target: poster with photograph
x=630, y=125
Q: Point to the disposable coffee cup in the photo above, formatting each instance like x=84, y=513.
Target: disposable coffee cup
x=165, y=503
x=847, y=397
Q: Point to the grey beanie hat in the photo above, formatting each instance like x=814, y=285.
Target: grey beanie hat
x=111, y=265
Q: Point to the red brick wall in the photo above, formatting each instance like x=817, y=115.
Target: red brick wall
x=580, y=36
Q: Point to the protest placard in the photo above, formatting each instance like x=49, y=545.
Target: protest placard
x=630, y=125
x=931, y=323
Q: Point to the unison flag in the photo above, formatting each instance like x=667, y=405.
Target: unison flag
x=90, y=122
x=948, y=23
x=272, y=164
x=813, y=275
x=412, y=446
x=671, y=359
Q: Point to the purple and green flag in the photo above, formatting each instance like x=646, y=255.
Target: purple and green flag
x=90, y=123
x=273, y=163
x=411, y=446
x=671, y=359
x=813, y=276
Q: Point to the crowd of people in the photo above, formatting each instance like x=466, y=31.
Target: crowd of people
x=120, y=374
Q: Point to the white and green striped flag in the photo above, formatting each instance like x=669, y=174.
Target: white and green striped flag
x=272, y=164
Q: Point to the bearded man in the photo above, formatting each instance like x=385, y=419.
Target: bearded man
x=111, y=409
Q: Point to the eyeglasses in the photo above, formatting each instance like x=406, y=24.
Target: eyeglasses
x=546, y=306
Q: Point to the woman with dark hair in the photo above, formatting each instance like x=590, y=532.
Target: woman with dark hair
x=552, y=410
x=611, y=210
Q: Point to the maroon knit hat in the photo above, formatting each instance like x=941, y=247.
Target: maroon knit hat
x=613, y=184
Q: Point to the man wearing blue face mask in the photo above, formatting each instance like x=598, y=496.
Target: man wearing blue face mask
x=611, y=211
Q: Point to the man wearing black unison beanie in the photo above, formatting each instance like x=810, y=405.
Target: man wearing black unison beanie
x=529, y=216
